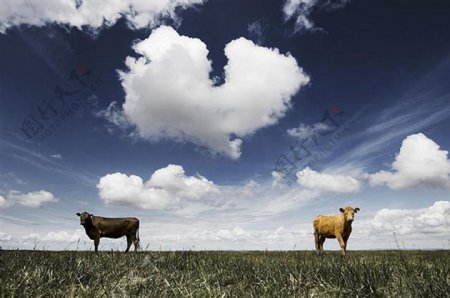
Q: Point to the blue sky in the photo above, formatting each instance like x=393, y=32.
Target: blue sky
x=191, y=115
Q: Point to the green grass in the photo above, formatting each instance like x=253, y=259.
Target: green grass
x=225, y=274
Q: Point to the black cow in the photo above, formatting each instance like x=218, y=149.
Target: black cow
x=97, y=227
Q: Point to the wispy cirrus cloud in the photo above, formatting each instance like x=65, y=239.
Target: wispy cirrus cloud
x=421, y=108
x=256, y=32
x=301, y=10
x=23, y=151
x=91, y=14
x=304, y=131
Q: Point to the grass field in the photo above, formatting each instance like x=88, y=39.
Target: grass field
x=225, y=274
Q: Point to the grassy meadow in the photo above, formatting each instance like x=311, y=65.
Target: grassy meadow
x=225, y=274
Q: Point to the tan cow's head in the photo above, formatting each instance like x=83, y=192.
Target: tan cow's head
x=85, y=217
x=349, y=213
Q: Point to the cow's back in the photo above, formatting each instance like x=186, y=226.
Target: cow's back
x=115, y=227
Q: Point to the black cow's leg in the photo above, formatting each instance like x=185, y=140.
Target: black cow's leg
x=96, y=242
x=128, y=243
x=345, y=243
x=135, y=242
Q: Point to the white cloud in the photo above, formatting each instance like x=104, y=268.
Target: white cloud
x=114, y=115
x=430, y=220
x=249, y=188
x=255, y=32
x=220, y=236
x=306, y=131
x=3, y=202
x=300, y=10
x=235, y=234
x=313, y=180
x=63, y=236
x=167, y=188
x=169, y=92
x=5, y=237
x=56, y=156
x=32, y=199
x=287, y=200
x=57, y=236
x=239, y=234
x=420, y=162
x=277, y=179
x=93, y=14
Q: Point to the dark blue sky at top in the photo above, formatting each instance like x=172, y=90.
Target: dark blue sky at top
x=366, y=57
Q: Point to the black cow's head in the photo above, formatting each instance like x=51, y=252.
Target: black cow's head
x=85, y=218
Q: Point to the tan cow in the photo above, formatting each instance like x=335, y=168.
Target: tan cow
x=337, y=226
x=97, y=227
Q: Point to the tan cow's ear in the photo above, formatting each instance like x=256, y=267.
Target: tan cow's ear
x=356, y=209
x=342, y=210
x=78, y=214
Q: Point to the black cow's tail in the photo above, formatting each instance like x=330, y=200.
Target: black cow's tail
x=138, y=242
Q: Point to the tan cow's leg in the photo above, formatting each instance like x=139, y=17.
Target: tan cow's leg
x=316, y=240
x=341, y=243
x=321, y=242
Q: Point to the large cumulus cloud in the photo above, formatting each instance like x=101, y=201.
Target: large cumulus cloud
x=433, y=219
x=420, y=163
x=170, y=94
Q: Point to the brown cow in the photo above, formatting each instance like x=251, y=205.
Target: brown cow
x=97, y=227
x=337, y=226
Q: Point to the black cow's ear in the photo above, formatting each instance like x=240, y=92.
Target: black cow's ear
x=356, y=209
x=78, y=214
x=342, y=210
x=90, y=215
